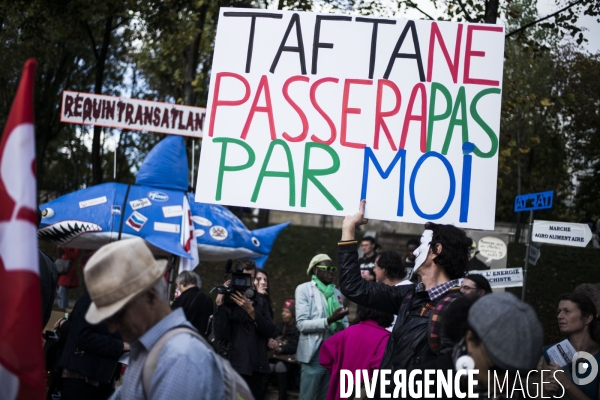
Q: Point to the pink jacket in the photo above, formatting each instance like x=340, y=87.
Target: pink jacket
x=360, y=346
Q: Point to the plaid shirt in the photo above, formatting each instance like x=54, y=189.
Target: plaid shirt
x=186, y=368
x=438, y=290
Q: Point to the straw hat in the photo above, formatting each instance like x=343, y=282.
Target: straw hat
x=117, y=273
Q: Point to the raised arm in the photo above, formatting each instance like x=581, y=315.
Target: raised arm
x=367, y=294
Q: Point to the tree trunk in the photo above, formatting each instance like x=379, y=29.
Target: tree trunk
x=191, y=58
x=263, y=218
x=518, y=229
x=100, y=64
x=491, y=11
x=48, y=125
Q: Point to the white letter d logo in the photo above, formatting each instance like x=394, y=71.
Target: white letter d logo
x=583, y=367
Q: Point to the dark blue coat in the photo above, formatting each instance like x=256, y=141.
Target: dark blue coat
x=90, y=349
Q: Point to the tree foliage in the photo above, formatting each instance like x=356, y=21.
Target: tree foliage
x=162, y=50
x=578, y=87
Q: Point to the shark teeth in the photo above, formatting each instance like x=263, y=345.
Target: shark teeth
x=65, y=231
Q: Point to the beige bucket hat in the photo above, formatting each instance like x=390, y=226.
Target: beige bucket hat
x=319, y=258
x=117, y=273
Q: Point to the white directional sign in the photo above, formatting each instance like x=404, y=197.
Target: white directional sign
x=564, y=233
x=534, y=253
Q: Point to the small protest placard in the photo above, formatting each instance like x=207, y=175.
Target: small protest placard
x=313, y=112
x=534, y=253
x=492, y=248
x=563, y=233
x=139, y=115
x=562, y=353
x=502, y=277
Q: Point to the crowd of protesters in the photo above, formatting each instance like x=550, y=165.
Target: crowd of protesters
x=419, y=310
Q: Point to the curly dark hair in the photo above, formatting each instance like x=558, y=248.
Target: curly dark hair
x=383, y=319
x=391, y=263
x=456, y=245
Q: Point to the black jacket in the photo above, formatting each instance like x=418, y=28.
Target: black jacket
x=197, y=308
x=292, y=335
x=408, y=345
x=90, y=349
x=248, y=338
x=48, y=283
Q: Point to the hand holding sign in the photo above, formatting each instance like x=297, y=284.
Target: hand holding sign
x=352, y=221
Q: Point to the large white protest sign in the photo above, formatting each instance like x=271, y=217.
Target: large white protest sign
x=313, y=112
x=139, y=115
x=502, y=277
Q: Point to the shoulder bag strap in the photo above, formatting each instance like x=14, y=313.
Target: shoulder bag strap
x=152, y=359
x=195, y=297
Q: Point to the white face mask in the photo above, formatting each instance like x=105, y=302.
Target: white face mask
x=423, y=250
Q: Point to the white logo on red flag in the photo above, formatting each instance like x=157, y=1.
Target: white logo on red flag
x=21, y=358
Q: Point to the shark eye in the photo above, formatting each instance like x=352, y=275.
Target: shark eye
x=255, y=242
x=48, y=213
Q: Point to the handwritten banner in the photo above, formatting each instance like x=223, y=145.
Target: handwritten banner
x=139, y=115
x=313, y=112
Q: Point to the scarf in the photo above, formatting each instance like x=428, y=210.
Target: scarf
x=332, y=302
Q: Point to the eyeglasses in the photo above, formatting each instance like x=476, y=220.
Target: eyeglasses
x=327, y=268
x=468, y=288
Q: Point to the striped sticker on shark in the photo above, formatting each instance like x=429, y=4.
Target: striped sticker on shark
x=136, y=221
x=93, y=202
x=140, y=203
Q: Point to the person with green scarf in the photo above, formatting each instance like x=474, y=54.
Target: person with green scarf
x=319, y=314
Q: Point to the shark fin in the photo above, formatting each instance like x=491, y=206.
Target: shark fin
x=268, y=235
x=168, y=246
x=260, y=261
x=166, y=166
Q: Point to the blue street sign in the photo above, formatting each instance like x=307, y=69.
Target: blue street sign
x=534, y=201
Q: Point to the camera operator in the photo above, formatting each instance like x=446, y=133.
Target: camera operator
x=242, y=327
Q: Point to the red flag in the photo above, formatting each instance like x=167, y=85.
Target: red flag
x=21, y=358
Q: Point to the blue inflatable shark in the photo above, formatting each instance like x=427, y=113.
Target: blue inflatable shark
x=159, y=209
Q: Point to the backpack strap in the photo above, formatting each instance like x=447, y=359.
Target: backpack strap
x=435, y=320
x=152, y=359
x=235, y=387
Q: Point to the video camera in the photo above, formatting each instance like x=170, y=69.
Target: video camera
x=240, y=282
